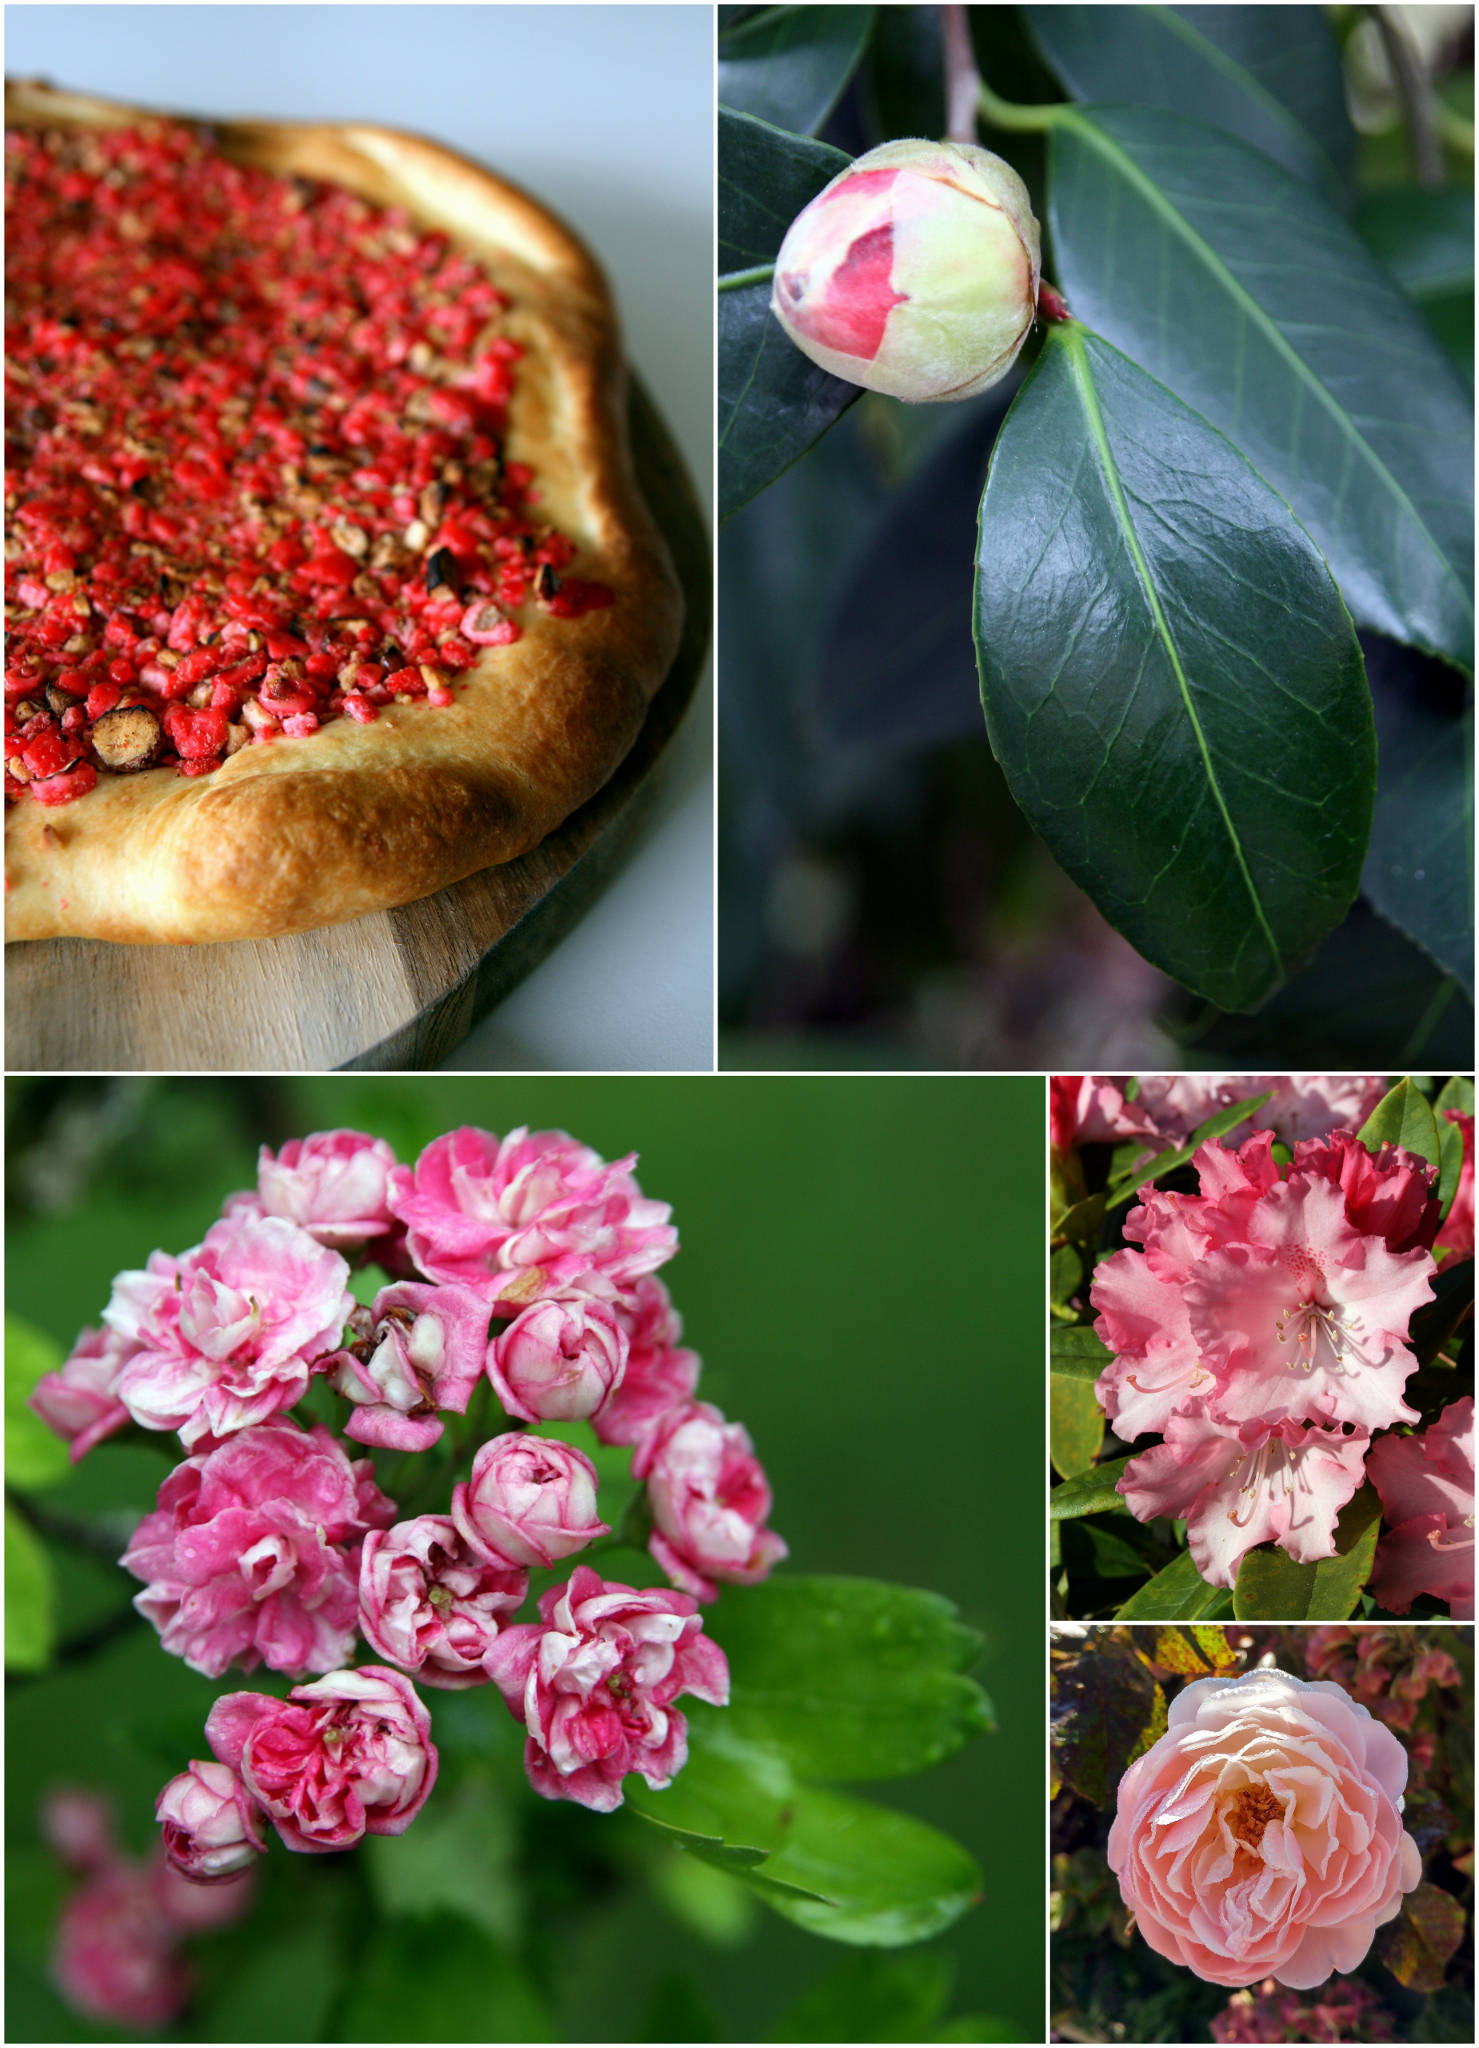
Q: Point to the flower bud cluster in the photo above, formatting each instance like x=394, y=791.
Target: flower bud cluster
x=1262, y=1331
x=522, y=1276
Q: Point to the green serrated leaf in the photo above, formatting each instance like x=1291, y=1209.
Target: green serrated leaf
x=30, y=1597
x=1196, y=747
x=849, y=1678
x=1076, y=1425
x=1271, y=79
x=1162, y=230
x=1089, y=1493
x=1217, y=1126
x=1271, y=1586
x=790, y=65
x=34, y=1456
x=1075, y=1353
x=1177, y=1593
x=1403, y=1117
x=773, y=401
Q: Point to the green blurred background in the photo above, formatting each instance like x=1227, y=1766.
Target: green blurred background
x=861, y=1274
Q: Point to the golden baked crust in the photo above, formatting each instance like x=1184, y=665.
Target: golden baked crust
x=313, y=831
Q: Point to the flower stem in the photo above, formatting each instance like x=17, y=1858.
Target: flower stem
x=1029, y=120
x=962, y=80
x=736, y=280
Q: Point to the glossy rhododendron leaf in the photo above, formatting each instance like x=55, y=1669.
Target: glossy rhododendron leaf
x=1240, y=289
x=789, y=65
x=1419, y=870
x=1089, y=1493
x=1271, y=1586
x=1216, y=1126
x=1108, y=1708
x=773, y=402
x=1076, y=1354
x=1418, y=1944
x=1403, y=1117
x=34, y=1455
x=1171, y=681
x=849, y=1678
x=1076, y=1426
x=1271, y=78
x=1177, y=1593
x=30, y=1597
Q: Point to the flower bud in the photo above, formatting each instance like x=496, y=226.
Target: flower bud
x=915, y=272
x=211, y=1826
x=560, y=1360
x=529, y=1502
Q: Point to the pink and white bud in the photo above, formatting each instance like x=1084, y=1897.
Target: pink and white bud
x=709, y=1498
x=77, y=1826
x=430, y=1604
x=115, y=1956
x=331, y=1184
x=529, y=1501
x=560, y=1361
x=659, y=1374
x=79, y=1401
x=211, y=1827
x=423, y=1349
x=915, y=272
x=347, y=1756
x=594, y=1682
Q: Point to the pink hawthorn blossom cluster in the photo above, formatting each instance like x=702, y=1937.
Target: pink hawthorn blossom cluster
x=118, y=1951
x=522, y=1275
x=1343, y=2011
x=1262, y=1332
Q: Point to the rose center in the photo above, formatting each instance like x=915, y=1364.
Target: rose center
x=1252, y=1810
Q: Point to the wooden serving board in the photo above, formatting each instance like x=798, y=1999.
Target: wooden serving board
x=400, y=988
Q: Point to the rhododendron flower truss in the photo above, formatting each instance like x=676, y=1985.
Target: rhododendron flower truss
x=1263, y=1308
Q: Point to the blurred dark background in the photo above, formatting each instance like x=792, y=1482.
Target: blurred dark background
x=860, y=1271
x=883, y=903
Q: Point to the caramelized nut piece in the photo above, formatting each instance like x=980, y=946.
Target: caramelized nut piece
x=127, y=739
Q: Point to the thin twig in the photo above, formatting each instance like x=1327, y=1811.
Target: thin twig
x=1416, y=94
x=962, y=80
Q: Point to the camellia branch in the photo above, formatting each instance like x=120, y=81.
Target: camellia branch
x=962, y=80
x=1416, y=95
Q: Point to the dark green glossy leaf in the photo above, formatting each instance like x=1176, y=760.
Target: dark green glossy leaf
x=773, y=401
x=1178, y=1593
x=1089, y=1494
x=1077, y=1354
x=1271, y=1586
x=789, y=65
x=1171, y=682
x=1436, y=1321
x=1114, y=1557
x=1239, y=288
x=1227, y=1119
x=1270, y=76
x=1075, y=1425
x=1419, y=870
x=849, y=1678
x=30, y=1597
x=34, y=1455
x=1404, y=1117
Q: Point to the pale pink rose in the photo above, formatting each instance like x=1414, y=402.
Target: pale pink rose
x=79, y=1400
x=1301, y=1105
x=1262, y=1836
x=560, y=1360
x=1457, y=1235
x=528, y=1216
x=1262, y=1298
x=530, y=1501
x=415, y=1350
x=1090, y=1109
x=252, y=1555
x=709, y=1499
x=1279, y=1482
x=77, y=1827
x=115, y=1956
x=430, y=1604
x=331, y=1184
x=594, y=1680
x=1426, y=1483
x=212, y=1830
x=347, y=1756
x=659, y=1374
x=228, y=1335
